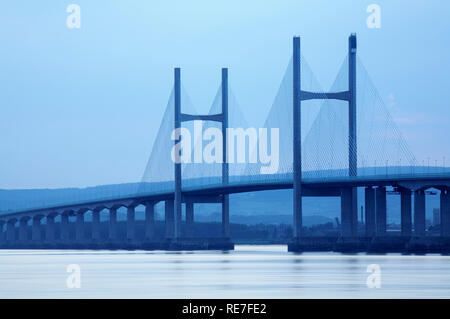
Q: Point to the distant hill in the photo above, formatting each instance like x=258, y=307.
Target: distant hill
x=267, y=219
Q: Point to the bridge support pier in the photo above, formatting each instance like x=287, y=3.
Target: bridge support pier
x=36, y=229
x=445, y=212
x=370, y=211
x=112, y=233
x=79, y=226
x=23, y=229
x=226, y=216
x=169, y=219
x=380, y=207
x=50, y=228
x=419, y=213
x=11, y=230
x=65, y=226
x=149, y=221
x=406, y=212
x=349, y=218
x=2, y=232
x=130, y=223
x=189, y=219
x=96, y=224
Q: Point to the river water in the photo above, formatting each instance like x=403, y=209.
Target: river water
x=248, y=272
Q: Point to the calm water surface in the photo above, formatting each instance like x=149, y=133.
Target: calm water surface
x=247, y=272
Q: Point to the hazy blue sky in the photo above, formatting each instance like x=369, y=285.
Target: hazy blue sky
x=81, y=107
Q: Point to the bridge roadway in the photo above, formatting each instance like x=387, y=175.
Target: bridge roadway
x=375, y=202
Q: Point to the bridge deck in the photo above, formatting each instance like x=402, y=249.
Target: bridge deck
x=329, y=186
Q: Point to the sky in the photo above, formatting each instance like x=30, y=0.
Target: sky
x=81, y=107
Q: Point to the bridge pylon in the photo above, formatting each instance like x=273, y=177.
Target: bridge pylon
x=349, y=208
x=221, y=118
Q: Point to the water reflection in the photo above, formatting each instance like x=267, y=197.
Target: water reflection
x=247, y=272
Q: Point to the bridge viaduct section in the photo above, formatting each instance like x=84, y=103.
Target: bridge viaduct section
x=172, y=206
x=37, y=229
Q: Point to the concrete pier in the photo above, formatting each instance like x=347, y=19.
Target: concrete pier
x=370, y=212
x=381, y=215
x=50, y=228
x=149, y=221
x=169, y=219
x=2, y=232
x=96, y=224
x=23, y=229
x=65, y=226
x=406, y=212
x=36, y=229
x=189, y=219
x=112, y=233
x=349, y=216
x=11, y=230
x=445, y=212
x=419, y=213
x=226, y=216
x=79, y=226
x=130, y=222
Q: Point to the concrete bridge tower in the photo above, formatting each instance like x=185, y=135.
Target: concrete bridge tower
x=349, y=209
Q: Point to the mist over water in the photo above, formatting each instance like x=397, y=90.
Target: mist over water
x=247, y=272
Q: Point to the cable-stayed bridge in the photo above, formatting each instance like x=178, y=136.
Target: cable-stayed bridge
x=329, y=144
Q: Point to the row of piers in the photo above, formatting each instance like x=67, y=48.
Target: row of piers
x=412, y=237
x=15, y=231
x=38, y=229
x=375, y=212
